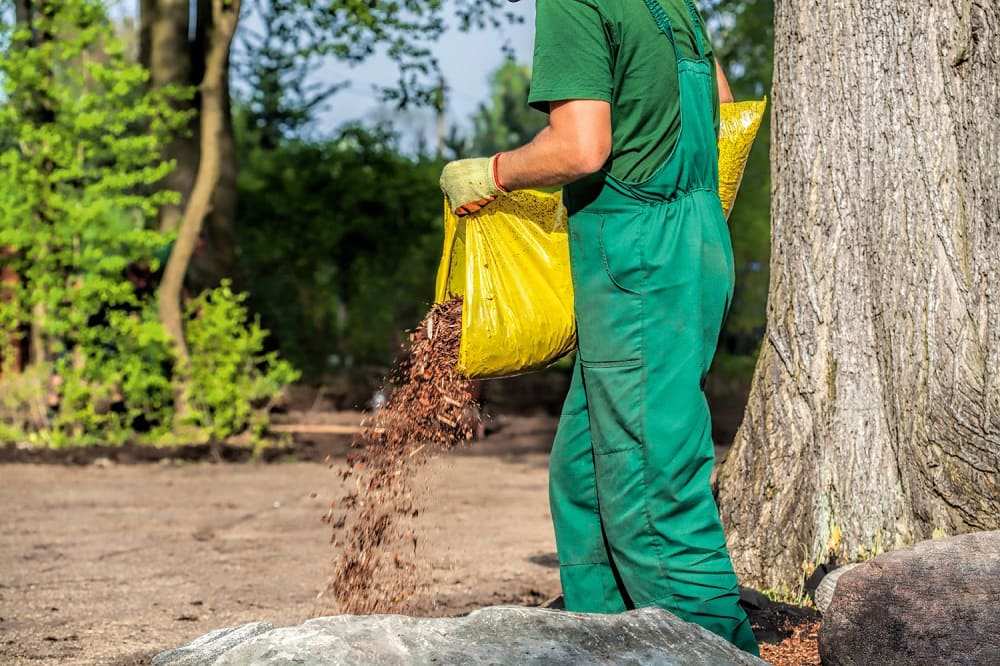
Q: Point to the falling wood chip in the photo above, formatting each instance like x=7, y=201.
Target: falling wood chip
x=430, y=411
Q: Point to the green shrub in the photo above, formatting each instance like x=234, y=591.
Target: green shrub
x=81, y=150
x=82, y=139
x=233, y=378
x=116, y=385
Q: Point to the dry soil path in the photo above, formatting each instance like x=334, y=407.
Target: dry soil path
x=110, y=564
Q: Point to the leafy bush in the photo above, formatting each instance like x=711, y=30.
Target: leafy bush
x=81, y=141
x=233, y=378
x=82, y=138
x=116, y=385
x=23, y=404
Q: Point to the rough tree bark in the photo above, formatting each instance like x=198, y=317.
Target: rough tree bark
x=874, y=414
x=225, y=14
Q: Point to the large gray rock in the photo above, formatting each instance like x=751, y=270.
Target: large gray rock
x=937, y=602
x=500, y=635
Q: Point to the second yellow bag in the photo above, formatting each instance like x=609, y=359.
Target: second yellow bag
x=738, y=125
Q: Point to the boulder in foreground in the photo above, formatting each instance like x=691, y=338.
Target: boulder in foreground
x=937, y=602
x=498, y=635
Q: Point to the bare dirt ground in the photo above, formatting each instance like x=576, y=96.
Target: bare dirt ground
x=105, y=562
x=111, y=563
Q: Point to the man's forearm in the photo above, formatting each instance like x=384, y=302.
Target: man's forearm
x=547, y=161
x=576, y=143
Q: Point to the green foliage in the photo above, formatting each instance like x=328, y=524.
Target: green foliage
x=784, y=595
x=82, y=152
x=233, y=378
x=276, y=62
x=733, y=365
x=81, y=139
x=23, y=406
x=115, y=382
x=298, y=33
x=339, y=243
x=745, y=43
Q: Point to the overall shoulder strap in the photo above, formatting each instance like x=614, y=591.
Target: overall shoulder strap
x=662, y=22
x=696, y=26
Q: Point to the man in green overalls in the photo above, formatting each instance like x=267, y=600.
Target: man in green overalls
x=633, y=94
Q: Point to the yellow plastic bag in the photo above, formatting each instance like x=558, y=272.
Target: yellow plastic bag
x=738, y=125
x=510, y=263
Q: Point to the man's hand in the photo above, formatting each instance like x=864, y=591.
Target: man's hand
x=470, y=184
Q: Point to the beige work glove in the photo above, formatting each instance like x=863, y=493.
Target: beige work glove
x=470, y=184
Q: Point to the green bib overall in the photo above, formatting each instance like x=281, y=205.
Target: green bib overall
x=636, y=524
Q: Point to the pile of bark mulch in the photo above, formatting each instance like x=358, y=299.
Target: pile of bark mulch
x=431, y=410
x=799, y=649
x=787, y=634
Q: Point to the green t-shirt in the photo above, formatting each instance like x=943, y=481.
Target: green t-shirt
x=612, y=50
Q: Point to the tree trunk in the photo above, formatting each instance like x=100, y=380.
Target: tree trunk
x=147, y=16
x=174, y=55
x=22, y=11
x=874, y=414
x=165, y=49
x=212, y=116
x=216, y=255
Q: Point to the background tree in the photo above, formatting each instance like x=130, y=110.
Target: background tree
x=340, y=257
x=213, y=119
x=81, y=150
x=874, y=415
x=275, y=64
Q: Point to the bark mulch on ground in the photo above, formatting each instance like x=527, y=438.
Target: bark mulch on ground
x=431, y=410
x=786, y=633
x=799, y=649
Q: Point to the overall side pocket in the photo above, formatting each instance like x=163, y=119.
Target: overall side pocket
x=621, y=242
x=608, y=318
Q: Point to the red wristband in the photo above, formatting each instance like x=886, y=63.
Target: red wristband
x=496, y=174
